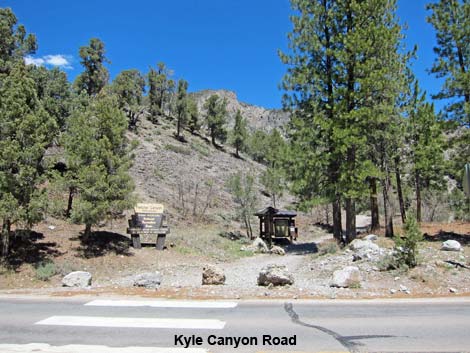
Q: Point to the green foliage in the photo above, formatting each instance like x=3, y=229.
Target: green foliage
x=216, y=110
x=273, y=182
x=129, y=86
x=460, y=205
x=182, y=109
x=161, y=86
x=26, y=131
x=258, y=146
x=200, y=148
x=96, y=75
x=178, y=149
x=328, y=248
x=406, y=248
x=343, y=79
x=243, y=192
x=194, y=123
x=239, y=133
x=450, y=19
x=14, y=43
x=53, y=89
x=98, y=160
x=45, y=270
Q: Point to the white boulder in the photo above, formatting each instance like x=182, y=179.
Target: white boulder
x=276, y=275
x=451, y=245
x=80, y=279
x=347, y=277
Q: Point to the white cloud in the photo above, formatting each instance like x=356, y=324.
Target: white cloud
x=63, y=61
x=29, y=60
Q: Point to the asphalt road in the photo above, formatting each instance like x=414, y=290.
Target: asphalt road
x=81, y=325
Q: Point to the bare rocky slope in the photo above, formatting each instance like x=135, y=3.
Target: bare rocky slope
x=190, y=177
x=257, y=117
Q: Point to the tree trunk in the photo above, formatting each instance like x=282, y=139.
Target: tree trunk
x=87, y=233
x=213, y=137
x=399, y=190
x=337, y=227
x=250, y=230
x=6, y=230
x=418, y=197
x=70, y=202
x=350, y=220
x=374, y=205
x=178, y=127
x=388, y=211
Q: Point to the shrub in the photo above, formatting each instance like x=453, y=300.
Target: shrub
x=178, y=149
x=201, y=149
x=45, y=270
x=328, y=248
x=406, y=248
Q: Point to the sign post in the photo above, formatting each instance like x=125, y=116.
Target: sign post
x=147, y=225
x=466, y=183
x=466, y=179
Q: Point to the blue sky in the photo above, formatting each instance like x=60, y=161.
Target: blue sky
x=210, y=43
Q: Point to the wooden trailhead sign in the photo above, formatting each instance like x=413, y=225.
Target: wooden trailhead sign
x=148, y=225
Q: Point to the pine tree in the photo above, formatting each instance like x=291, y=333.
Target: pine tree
x=239, y=133
x=15, y=44
x=194, y=123
x=182, y=111
x=426, y=146
x=161, y=86
x=344, y=56
x=26, y=131
x=54, y=91
x=215, y=118
x=96, y=75
x=258, y=146
x=241, y=186
x=129, y=86
x=450, y=19
x=97, y=154
x=273, y=178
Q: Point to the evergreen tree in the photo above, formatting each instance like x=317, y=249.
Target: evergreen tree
x=273, y=178
x=96, y=75
x=161, y=86
x=97, y=154
x=15, y=44
x=343, y=79
x=215, y=118
x=241, y=186
x=182, y=111
x=257, y=146
x=450, y=19
x=26, y=131
x=239, y=133
x=129, y=86
x=426, y=146
x=193, y=111
x=54, y=91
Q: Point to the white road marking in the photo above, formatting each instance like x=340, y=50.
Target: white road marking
x=100, y=321
x=166, y=303
x=46, y=348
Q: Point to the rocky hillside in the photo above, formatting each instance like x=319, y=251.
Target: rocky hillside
x=257, y=117
x=188, y=177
